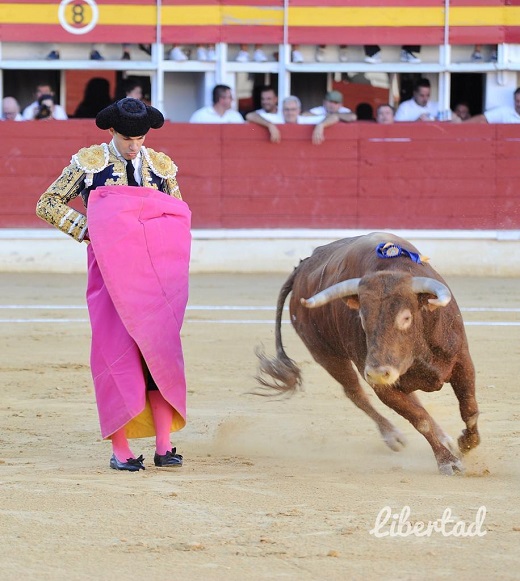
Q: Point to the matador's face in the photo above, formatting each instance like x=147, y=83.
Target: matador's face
x=128, y=147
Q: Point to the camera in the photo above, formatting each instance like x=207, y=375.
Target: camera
x=45, y=103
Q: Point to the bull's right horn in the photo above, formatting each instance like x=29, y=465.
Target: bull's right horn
x=424, y=284
x=345, y=288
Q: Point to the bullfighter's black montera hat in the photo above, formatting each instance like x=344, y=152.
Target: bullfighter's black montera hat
x=130, y=117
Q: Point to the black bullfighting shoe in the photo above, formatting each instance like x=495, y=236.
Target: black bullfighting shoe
x=131, y=464
x=169, y=460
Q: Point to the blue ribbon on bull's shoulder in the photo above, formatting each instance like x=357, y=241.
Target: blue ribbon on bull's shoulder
x=391, y=250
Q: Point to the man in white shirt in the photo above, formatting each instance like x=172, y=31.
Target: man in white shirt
x=31, y=111
x=500, y=114
x=419, y=107
x=333, y=105
x=291, y=114
x=269, y=104
x=221, y=111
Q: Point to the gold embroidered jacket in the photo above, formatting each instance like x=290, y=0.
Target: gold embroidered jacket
x=95, y=166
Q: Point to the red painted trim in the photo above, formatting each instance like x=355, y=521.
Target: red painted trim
x=250, y=34
x=230, y=34
x=479, y=3
x=190, y=34
x=512, y=35
x=55, y=33
x=409, y=35
x=372, y=35
x=478, y=34
x=264, y=35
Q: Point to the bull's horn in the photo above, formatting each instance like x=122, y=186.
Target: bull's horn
x=345, y=288
x=423, y=284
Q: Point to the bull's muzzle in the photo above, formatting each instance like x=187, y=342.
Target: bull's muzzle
x=381, y=375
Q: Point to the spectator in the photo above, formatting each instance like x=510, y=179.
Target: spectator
x=126, y=52
x=146, y=48
x=419, y=107
x=385, y=114
x=95, y=54
x=461, y=110
x=45, y=108
x=342, y=53
x=32, y=110
x=365, y=112
x=96, y=98
x=130, y=87
x=220, y=111
x=291, y=113
x=333, y=105
x=259, y=55
x=505, y=114
x=373, y=54
x=296, y=54
x=205, y=52
x=476, y=55
x=177, y=53
x=269, y=102
x=11, y=109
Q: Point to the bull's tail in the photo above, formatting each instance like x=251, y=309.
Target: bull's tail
x=280, y=373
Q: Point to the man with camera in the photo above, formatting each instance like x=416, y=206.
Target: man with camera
x=44, y=106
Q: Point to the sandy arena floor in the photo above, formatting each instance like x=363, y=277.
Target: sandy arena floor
x=270, y=489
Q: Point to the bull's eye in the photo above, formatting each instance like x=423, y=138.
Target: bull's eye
x=403, y=320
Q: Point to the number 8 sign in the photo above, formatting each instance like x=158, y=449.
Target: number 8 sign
x=80, y=17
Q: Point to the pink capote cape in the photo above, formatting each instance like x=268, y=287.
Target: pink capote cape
x=137, y=292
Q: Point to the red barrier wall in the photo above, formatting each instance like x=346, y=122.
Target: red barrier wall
x=435, y=175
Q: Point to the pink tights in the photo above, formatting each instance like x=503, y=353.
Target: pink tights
x=120, y=446
x=162, y=413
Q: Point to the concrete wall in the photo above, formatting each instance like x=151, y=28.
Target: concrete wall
x=476, y=253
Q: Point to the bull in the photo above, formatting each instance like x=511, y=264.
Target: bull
x=371, y=302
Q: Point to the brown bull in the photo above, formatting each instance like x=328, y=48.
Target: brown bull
x=395, y=320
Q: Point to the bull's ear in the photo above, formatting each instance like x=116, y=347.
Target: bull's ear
x=352, y=302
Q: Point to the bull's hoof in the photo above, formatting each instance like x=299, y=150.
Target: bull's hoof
x=394, y=439
x=448, y=442
x=468, y=441
x=448, y=463
x=451, y=467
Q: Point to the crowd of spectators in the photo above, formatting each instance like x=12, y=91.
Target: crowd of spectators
x=96, y=97
x=332, y=110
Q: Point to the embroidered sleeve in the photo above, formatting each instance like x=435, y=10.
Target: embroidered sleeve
x=172, y=188
x=53, y=204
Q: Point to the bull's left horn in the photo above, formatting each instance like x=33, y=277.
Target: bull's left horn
x=345, y=288
x=423, y=284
